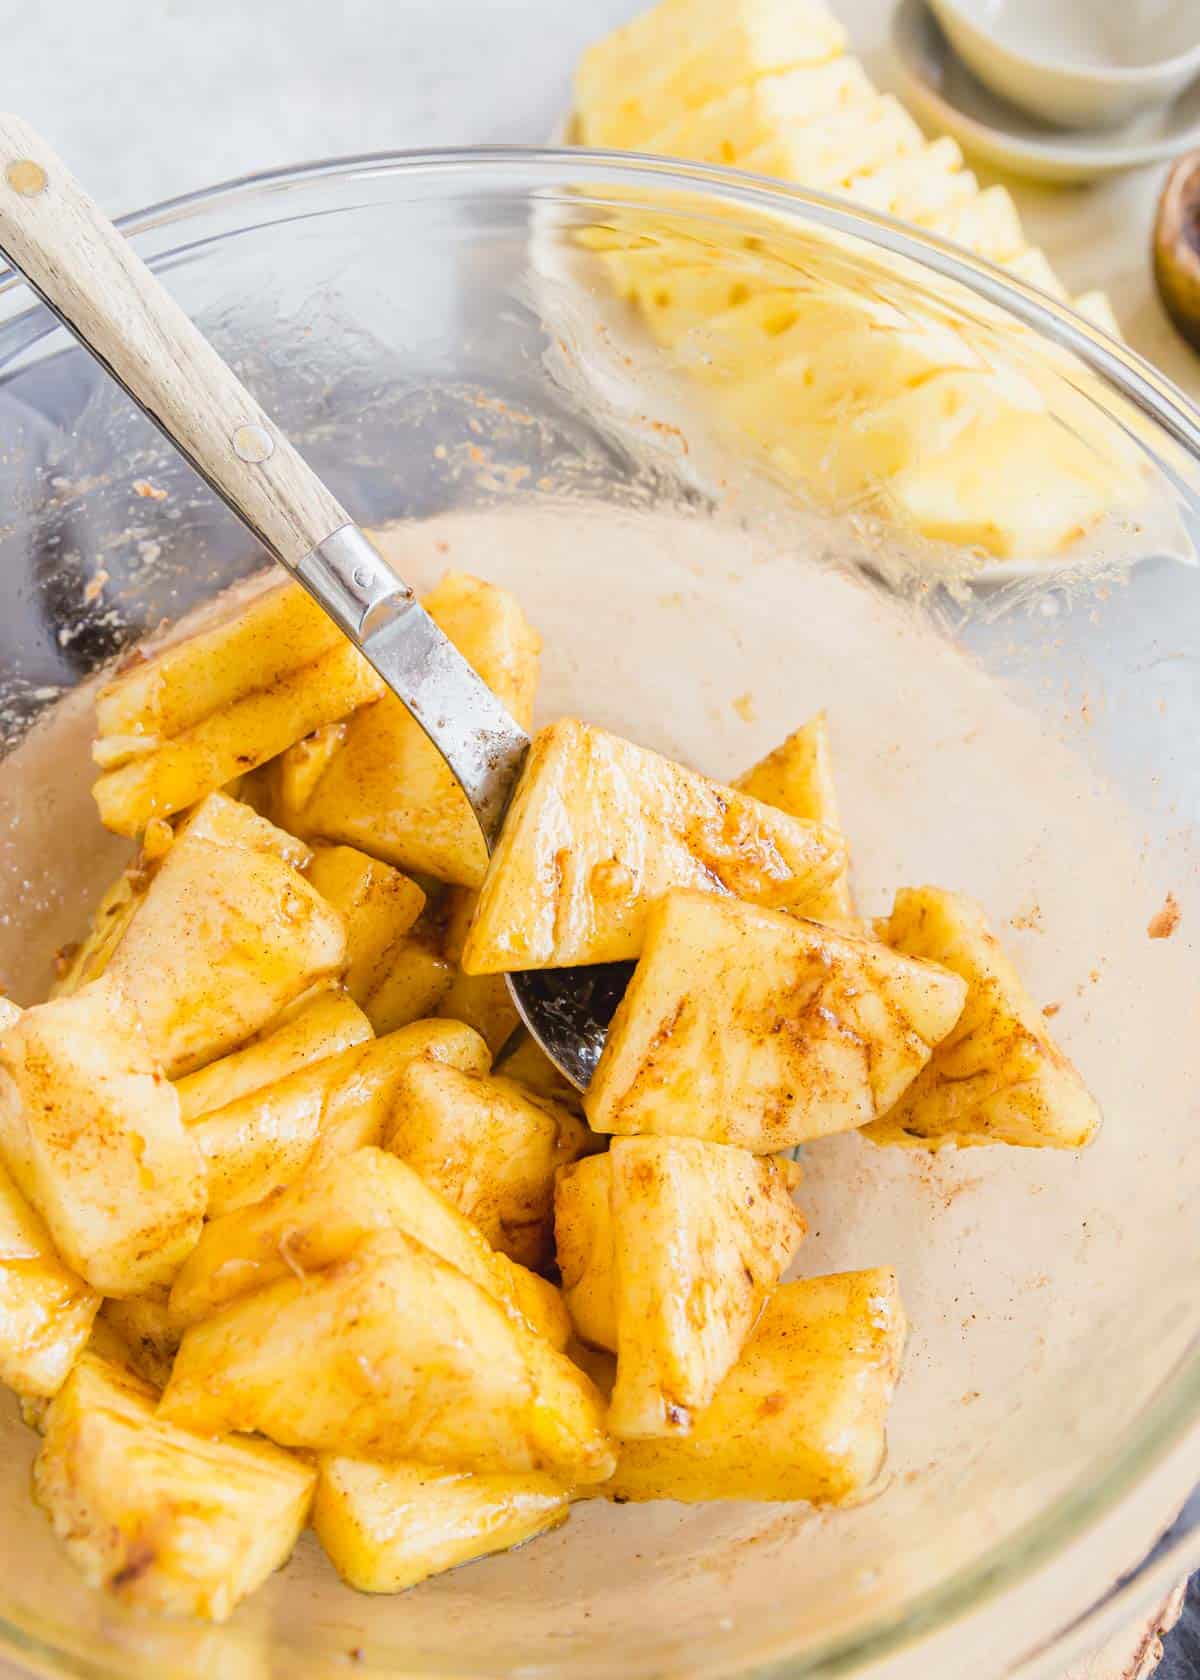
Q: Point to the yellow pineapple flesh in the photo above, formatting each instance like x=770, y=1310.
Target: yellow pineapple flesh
x=797, y=777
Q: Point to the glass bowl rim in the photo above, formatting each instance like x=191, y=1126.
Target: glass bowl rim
x=1172, y=1419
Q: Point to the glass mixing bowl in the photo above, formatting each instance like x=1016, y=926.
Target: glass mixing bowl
x=440, y=334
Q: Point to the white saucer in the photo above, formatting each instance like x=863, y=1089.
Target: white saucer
x=949, y=99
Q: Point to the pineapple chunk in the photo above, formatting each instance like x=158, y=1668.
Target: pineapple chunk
x=490, y=1147
x=1097, y=308
x=988, y=225
x=797, y=777
x=802, y=1415
x=143, y=1325
x=599, y=828
x=524, y=1061
x=726, y=129
x=90, y=1130
x=281, y=789
x=825, y=154
x=793, y=1032
x=323, y=1026
x=110, y=919
x=267, y=1138
x=322, y=1218
x=701, y=1233
x=1033, y=266
x=418, y=980
x=998, y=1077
x=387, y=789
x=378, y=905
x=46, y=1311
x=388, y=1526
x=917, y=186
x=392, y=1354
x=227, y=934
x=584, y=1242
x=686, y=52
x=212, y=707
x=483, y=1001
x=163, y=1520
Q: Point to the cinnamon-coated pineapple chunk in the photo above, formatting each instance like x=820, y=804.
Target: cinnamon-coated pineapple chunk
x=149, y=1338
x=91, y=1132
x=387, y=789
x=748, y=1026
x=490, y=1147
x=998, y=1077
x=483, y=1001
x=227, y=934
x=46, y=1310
x=797, y=777
x=388, y=1526
x=583, y=1239
x=208, y=709
x=803, y=1413
x=600, y=828
x=331, y=1107
x=378, y=905
x=165, y=1521
x=391, y=1353
x=701, y=1233
x=524, y=1061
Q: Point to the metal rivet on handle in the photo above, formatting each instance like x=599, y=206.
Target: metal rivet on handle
x=253, y=444
x=26, y=177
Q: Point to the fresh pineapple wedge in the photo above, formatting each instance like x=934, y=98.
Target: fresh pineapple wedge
x=386, y=1527
x=827, y=153
x=316, y=1028
x=46, y=1310
x=917, y=185
x=797, y=777
x=726, y=129
x=583, y=1238
x=227, y=933
x=797, y=1031
x=701, y=1233
x=490, y=1147
x=268, y=1137
x=1097, y=308
x=323, y=1217
x=165, y=1521
x=378, y=905
x=803, y=1413
x=483, y=1001
x=988, y=225
x=191, y=719
x=998, y=1077
x=387, y=789
x=391, y=1354
x=1033, y=266
x=149, y=1338
x=90, y=1130
x=600, y=828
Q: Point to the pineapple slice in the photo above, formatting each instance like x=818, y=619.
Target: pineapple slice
x=207, y=709
x=387, y=789
x=322, y=1218
x=701, y=1233
x=490, y=1147
x=327, y=1023
x=918, y=185
x=46, y=1311
x=584, y=1242
x=998, y=1077
x=388, y=1526
x=797, y=777
x=725, y=129
x=90, y=1130
x=227, y=934
x=803, y=1413
x=483, y=1001
x=377, y=903
x=143, y=1326
x=163, y=1520
x=826, y=154
x=392, y=1354
x=268, y=1137
x=797, y=1031
x=686, y=52
x=599, y=828
x=524, y=1061
x=988, y=225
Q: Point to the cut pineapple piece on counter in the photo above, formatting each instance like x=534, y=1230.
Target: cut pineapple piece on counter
x=46, y=1310
x=490, y=1147
x=325, y=1025
x=700, y=1233
x=600, y=828
x=918, y=185
x=143, y=1326
x=266, y=1139
x=163, y=1520
x=387, y=789
x=207, y=709
x=792, y=1031
x=388, y=1526
x=725, y=129
x=988, y=225
x=686, y=52
x=378, y=905
x=322, y=1218
x=483, y=1001
x=826, y=154
x=227, y=934
x=803, y=1413
x=797, y=777
x=998, y=1077
x=90, y=1130
x=584, y=1243
x=391, y=1354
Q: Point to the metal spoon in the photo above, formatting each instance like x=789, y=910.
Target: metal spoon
x=90, y=277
